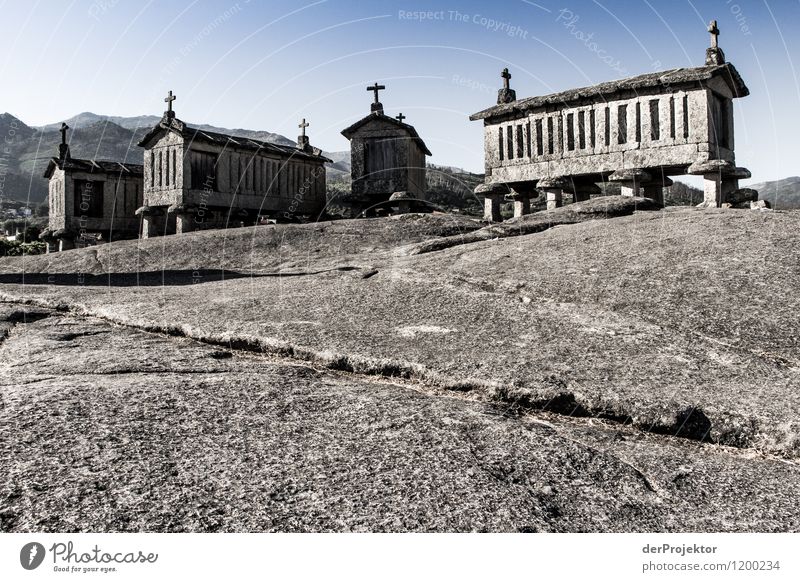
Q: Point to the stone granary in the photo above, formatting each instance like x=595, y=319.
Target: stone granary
x=90, y=200
x=387, y=157
x=637, y=131
x=196, y=179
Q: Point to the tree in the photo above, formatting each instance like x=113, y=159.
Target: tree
x=42, y=210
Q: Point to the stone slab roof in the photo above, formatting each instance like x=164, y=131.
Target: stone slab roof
x=93, y=167
x=350, y=131
x=225, y=140
x=665, y=80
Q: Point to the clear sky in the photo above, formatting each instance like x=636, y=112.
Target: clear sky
x=264, y=65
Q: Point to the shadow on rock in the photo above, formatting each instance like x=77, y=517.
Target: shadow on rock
x=168, y=278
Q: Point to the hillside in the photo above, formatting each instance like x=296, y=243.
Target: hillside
x=782, y=194
x=600, y=367
x=148, y=121
x=454, y=189
x=98, y=137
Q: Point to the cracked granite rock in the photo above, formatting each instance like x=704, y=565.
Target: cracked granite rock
x=634, y=373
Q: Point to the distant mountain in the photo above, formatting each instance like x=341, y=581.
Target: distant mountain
x=99, y=137
x=10, y=127
x=135, y=124
x=87, y=118
x=781, y=194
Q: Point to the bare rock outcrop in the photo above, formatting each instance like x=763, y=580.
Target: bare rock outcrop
x=651, y=358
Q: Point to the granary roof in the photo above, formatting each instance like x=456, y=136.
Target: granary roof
x=378, y=116
x=194, y=134
x=92, y=167
x=665, y=80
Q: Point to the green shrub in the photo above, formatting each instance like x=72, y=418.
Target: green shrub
x=13, y=248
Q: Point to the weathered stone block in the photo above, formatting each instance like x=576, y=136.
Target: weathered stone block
x=742, y=196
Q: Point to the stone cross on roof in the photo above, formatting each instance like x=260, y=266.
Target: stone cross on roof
x=506, y=78
x=302, y=139
x=400, y=118
x=63, y=148
x=506, y=94
x=714, y=54
x=376, y=88
x=714, y=30
x=376, y=107
x=168, y=100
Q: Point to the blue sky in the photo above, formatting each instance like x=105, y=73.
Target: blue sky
x=265, y=65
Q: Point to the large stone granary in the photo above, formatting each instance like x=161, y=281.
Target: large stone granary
x=388, y=158
x=90, y=201
x=637, y=131
x=196, y=179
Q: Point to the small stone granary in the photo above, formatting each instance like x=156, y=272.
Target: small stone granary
x=637, y=131
x=197, y=179
x=90, y=200
x=387, y=158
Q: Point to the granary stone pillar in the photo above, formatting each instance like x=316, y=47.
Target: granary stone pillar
x=584, y=191
x=712, y=190
x=148, y=226
x=66, y=239
x=493, y=195
x=184, y=217
x=654, y=192
x=554, y=191
x=522, y=204
x=713, y=172
x=555, y=198
x=631, y=180
x=521, y=194
x=730, y=182
x=183, y=223
x=49, y=240
x=242, y=217
x=403, y=200
x=655, y=189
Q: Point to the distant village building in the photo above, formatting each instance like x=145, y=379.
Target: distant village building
x=90, y=201
x=197, y=179
x=387, y=159
x=637, y=131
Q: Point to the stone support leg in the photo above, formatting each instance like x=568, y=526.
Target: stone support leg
x=183, y=223
x=655, y=192
x=148, y=227
x=555, y=198
x=632, y=188
x=712, y=190
x=727, y=187
x=65, y=244
x=491, y=207
x=522, y=206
